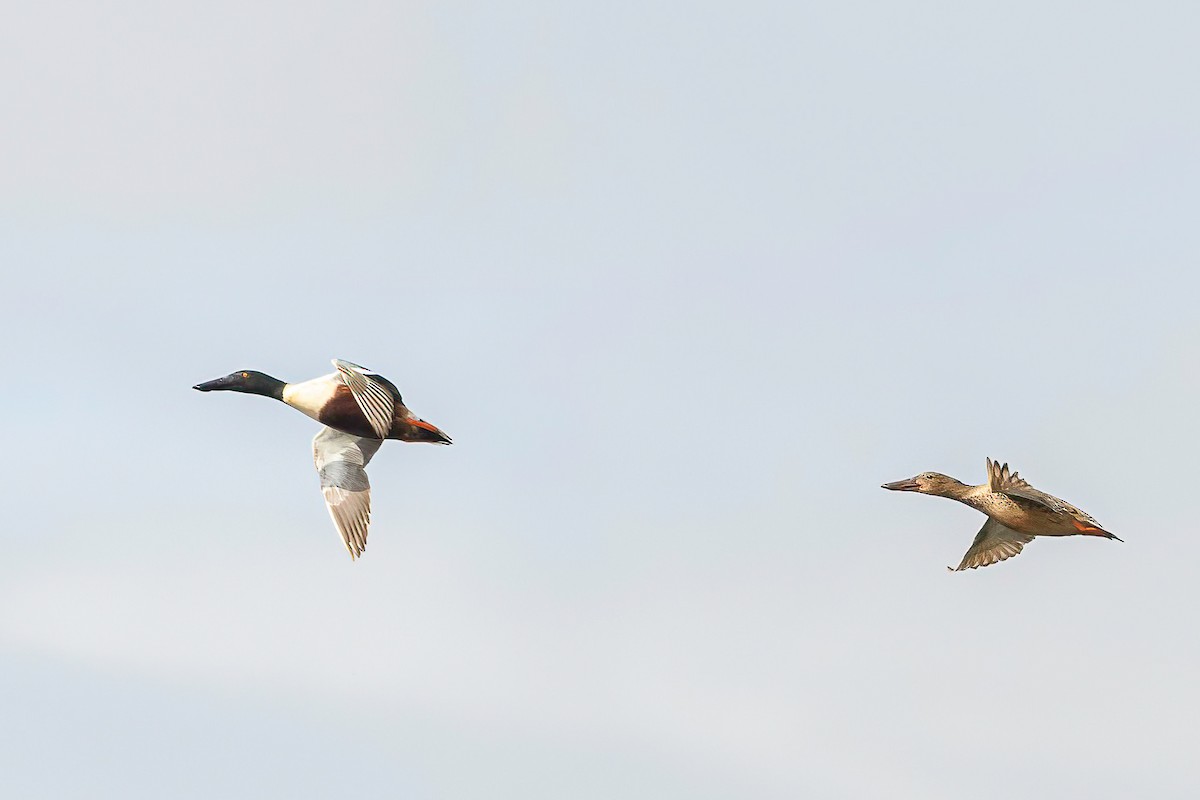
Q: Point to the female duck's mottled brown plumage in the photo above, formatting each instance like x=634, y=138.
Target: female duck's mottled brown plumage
x=1016, y=512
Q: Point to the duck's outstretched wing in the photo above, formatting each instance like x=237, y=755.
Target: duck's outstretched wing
x=1002, y=481
x=992, y=544
x=341, y=460
x=1010, y=483
x=375, y=395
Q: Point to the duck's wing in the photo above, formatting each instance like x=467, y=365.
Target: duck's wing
x=1010, y=483
x=341, y=460
x=376, y=396
x=992, y=544
x=1002, y=481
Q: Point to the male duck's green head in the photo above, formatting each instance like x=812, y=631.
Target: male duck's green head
x=248, y=381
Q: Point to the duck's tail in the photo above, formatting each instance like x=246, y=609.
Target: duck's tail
x=418, y=430
x=1095, y=530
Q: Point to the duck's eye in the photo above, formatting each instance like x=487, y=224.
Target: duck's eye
x=245, y=374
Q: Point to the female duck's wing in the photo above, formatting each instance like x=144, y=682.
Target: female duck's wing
x=376, y=396
x=1010, y=483
x=340, y=460
x=1001, y=481
x=993, y=543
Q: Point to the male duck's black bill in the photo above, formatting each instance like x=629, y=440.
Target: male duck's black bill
x=217, y=384
x=906, y=485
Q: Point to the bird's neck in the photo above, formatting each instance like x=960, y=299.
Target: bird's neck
x=957, y=491
x=267, y=387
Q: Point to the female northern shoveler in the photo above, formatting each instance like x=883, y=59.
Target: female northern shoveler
x=1016, y=512
x=360, y=409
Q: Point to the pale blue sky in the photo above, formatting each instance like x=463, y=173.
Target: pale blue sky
x=685, y=284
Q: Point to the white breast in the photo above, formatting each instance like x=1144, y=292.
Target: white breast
x=310, y=397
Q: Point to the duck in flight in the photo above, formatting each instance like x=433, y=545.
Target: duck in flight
x=359, y=409
x=1016, y=512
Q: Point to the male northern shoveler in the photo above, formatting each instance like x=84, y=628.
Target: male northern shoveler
x=1016, y=512
x=359, y=410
